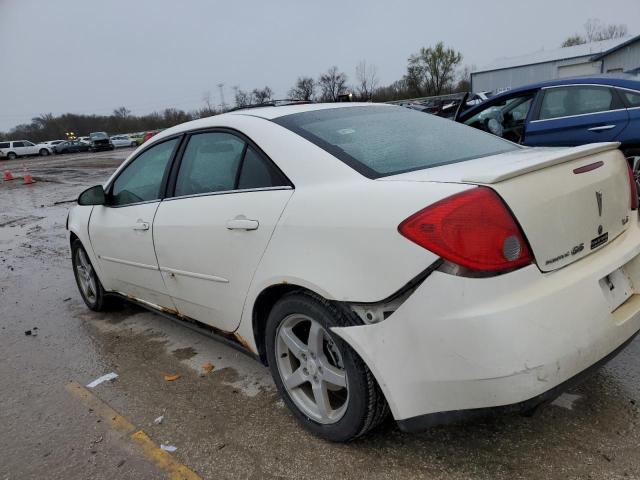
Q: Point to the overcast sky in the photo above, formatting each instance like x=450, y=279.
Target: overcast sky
x=90, y=56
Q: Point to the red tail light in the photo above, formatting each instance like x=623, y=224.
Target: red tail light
x=473, y=229
x=633, y=187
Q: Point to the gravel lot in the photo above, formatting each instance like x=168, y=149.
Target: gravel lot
x=229, y=423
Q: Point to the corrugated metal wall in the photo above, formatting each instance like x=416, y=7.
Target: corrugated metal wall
x=519, y=76
x=627, y=58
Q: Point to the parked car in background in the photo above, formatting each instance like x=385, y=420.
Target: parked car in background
x=52, y=143
x=86, y=140
x=100, y=141
x=137, y=137
x=492, y=280
x=71, y=146
x=123, y=141
x=149, y=134
x=567, y=112
x=22, y=148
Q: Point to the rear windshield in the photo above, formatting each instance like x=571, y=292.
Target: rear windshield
x=98, y=135
x=378, y=141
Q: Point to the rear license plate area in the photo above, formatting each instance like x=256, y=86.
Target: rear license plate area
x=616, y=287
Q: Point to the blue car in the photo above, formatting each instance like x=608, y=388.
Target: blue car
x=567, y=112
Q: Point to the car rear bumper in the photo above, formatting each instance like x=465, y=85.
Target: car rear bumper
x=458, y=346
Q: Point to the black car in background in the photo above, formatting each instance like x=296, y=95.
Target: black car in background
x=71, y=146
x=100, y=141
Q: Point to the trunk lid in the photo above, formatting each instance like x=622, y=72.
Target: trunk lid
x=569, y=202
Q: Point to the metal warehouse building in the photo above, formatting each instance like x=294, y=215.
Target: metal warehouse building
x=608, y=56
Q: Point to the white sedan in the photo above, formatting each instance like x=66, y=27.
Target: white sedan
x=123, y=141
x=375, y=258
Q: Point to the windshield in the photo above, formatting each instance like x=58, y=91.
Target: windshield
x=379, y=141
x=98, y=135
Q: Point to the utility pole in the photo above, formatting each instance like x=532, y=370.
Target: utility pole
x=223, y=106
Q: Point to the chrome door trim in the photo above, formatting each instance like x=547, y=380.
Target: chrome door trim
x=128, y=262
x=226, y=192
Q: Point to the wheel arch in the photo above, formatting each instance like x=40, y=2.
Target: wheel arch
x=262, y=306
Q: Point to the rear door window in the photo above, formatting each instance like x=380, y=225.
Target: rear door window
x=209, y=164
x=575, y=100
x=18, y=144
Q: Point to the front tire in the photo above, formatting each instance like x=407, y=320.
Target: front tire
x=88, y=282
x=322, y=380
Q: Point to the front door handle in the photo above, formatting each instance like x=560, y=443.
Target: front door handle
x=601, y=128
x=241, y=223
x=140, y=225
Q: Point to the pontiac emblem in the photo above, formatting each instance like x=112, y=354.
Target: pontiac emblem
x=599, y=200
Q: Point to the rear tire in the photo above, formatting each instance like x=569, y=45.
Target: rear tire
x=88, y=282
x=44, y=152
x=330, y=390
x=11, y=156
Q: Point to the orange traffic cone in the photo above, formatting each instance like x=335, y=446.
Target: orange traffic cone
x=7, y=175
x=26, y=177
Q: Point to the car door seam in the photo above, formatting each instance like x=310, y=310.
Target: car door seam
x=264, y=251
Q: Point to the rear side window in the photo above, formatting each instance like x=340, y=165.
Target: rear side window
x=18, y=144
x=632, y=98
x=4, y=144
x=381, y=140
x=141, y=180
x=568, y=101
x=210, y=164
x=258, y=172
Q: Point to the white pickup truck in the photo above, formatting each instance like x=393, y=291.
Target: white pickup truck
x=22, y=148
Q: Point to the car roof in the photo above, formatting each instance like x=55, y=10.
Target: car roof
x=623, y=81
x=629, y=81
x=270, y=113
x=267, y=113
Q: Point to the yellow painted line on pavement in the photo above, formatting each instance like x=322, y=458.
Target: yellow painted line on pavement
x=161, y=458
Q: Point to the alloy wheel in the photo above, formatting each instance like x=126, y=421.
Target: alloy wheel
x=311, y=369
x=86, y=276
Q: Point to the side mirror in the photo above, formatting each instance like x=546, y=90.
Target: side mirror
x=93, y=196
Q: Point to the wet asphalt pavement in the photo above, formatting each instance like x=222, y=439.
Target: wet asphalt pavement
x=229, y=423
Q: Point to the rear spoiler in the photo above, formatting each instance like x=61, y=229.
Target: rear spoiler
x=531, y=163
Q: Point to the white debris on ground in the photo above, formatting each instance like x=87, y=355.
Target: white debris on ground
x=566, y=400
x=104, y=378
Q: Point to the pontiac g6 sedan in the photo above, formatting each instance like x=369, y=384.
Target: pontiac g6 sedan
x=375, y=258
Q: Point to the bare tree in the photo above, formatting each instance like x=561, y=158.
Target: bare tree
x=262, y=95
x=596, y=31
x=242, y=97
x=332, y=84
x=122, y=112
x=208, y=103
x=367, y=78
x=464, y=79
x=304, y=89
x=432, y=69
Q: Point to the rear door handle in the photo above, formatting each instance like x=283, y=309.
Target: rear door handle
x=241, y=223
x=140, y=225
x=601, y=128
